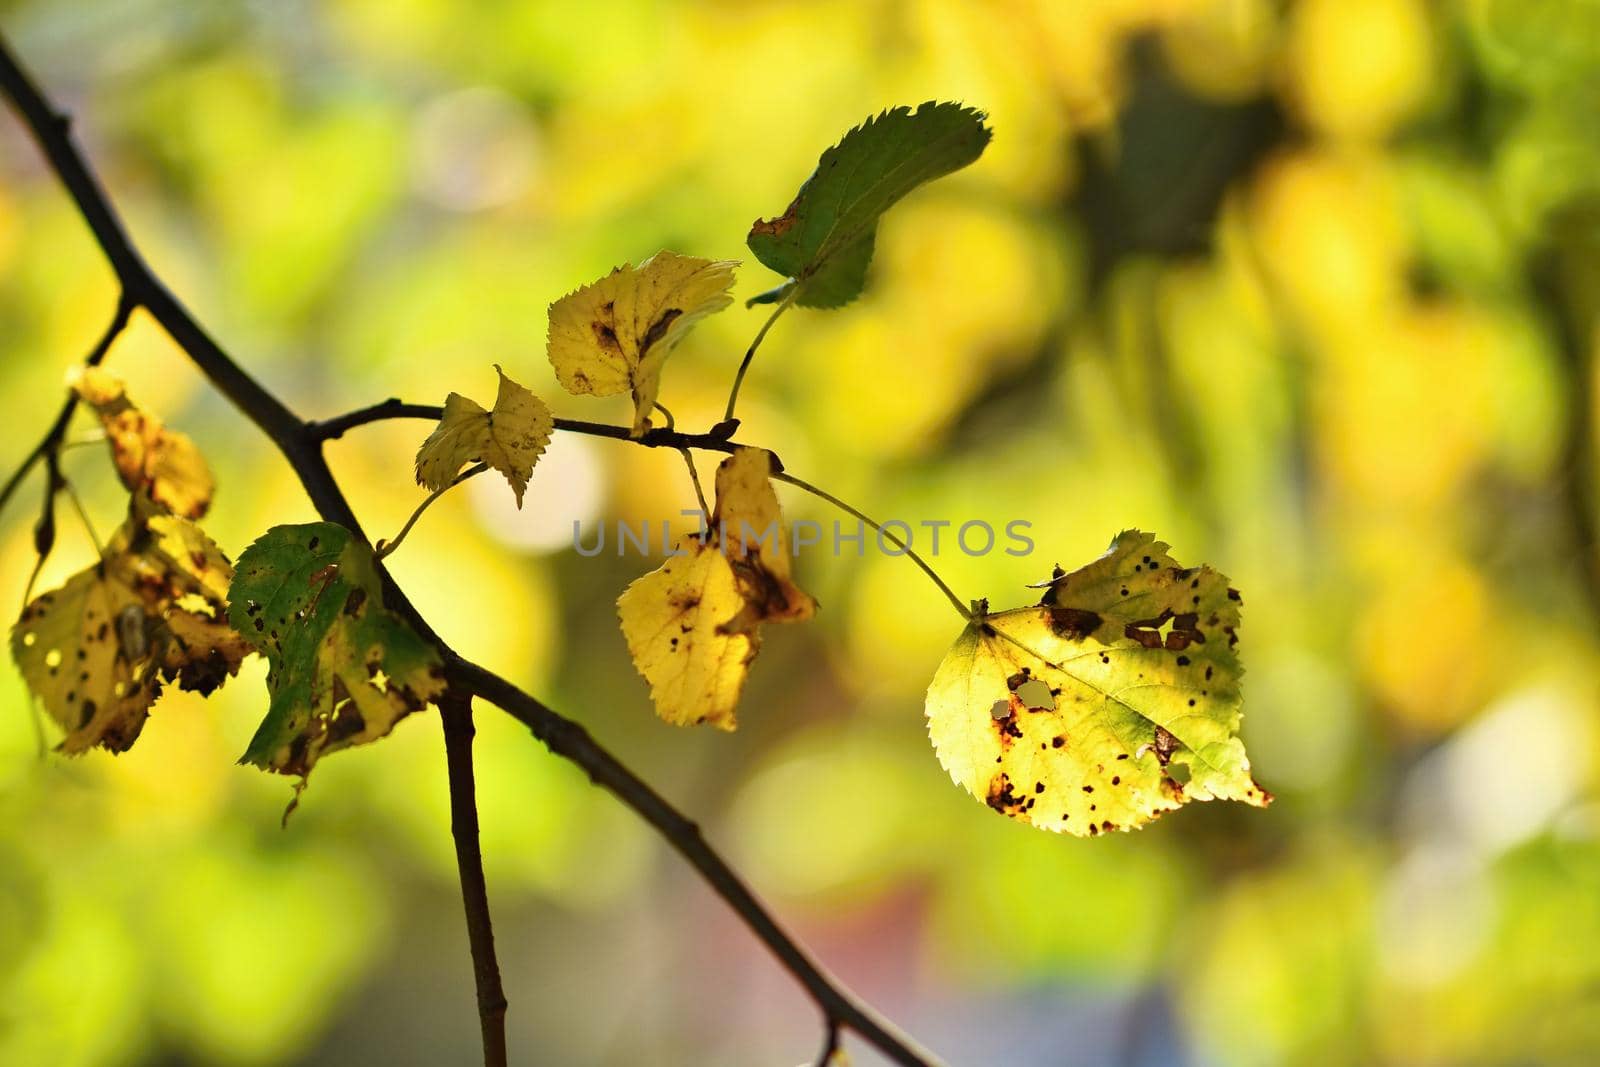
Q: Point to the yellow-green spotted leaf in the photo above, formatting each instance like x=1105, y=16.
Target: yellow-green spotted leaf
x=510, y=438
x=342, y=669
x=823, y=242
x=614, y=335
x=1114, y=699
x=152, y=610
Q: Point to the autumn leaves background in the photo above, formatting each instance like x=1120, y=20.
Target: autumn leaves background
x=1340, y=354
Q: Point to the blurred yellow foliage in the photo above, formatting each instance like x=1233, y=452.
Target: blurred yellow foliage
x=1308, y=287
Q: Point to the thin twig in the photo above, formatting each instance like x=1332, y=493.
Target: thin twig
x=301, y=444
x=51, y=443
x=567, y=738
x=822, y=494
x=393, y=408
x=385, y=548
x=455, y=712
x=688, y=461
x=830, y=1042
x=750, y=353
x=83, y=518
x=661, y=438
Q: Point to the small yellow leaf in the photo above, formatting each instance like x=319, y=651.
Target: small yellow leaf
x=615, y=334
x=511, y=438
x=693, y=624
x=153, y=609
x=1115, y=699
x=148, y=456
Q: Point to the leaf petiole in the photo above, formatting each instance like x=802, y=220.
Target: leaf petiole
x=385, y=548
x=822, y=494
x=750, y=353
x=688, y=461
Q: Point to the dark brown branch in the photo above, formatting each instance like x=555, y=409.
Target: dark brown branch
x=455, y=712
x=566, y=738
x=301, y=444
x=830, y=1042
x=394, y=408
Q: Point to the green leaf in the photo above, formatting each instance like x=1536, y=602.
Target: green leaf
x=824, y=240
x=342, y=670
x=1112, y=700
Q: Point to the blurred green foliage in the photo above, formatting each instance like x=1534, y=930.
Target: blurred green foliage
x=1310, y=288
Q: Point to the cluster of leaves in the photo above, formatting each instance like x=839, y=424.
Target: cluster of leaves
x=151, y=609
x=1112, y=700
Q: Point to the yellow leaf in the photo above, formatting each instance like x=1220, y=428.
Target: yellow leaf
x=153, y=609
x=148, y=456
x=1115, y=699
x=511, y=438
x=693, y=625
x=615, y=334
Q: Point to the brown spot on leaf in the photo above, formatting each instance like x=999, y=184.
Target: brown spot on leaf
x=779, y=226
x=1073, y=624
x=658, y=329
x=1165, y=744
x=346, y=725
x=606, y=337
x=1002, y=798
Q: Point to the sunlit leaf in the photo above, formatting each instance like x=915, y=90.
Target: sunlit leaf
x=824, y=241
x=148, y=456
x=342, y=669
x=1115, y=699
x=693, y=625
x=153, y=610
x=614, y=335
x=510, y=439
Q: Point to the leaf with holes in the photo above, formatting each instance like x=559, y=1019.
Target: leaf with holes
x=510, y=439
x=152, y=610
x=1114, y=699
x=614, y=335
x=823, y=242
x=149, y=457
x=342, y=669
x=693, y=625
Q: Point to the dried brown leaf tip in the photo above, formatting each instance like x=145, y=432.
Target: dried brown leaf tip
x=149, y=457
x=693, y=624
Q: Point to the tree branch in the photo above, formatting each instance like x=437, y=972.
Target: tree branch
x=301, y=444
x=455, y=712
x=567, y=738
x=395, y=408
